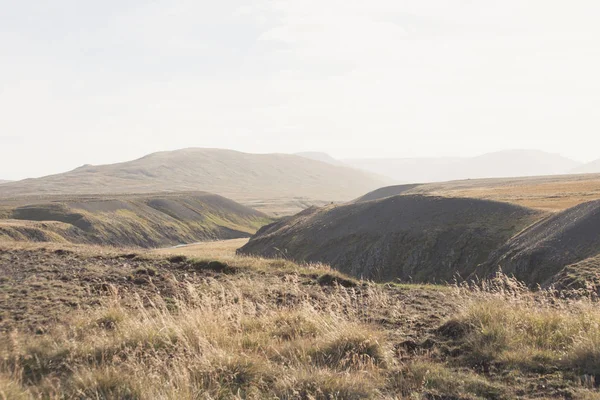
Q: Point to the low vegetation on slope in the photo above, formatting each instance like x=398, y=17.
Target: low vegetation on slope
x=141, y=220
x=542, y=250
x=418, y=238
x=582, y=276
x=92, y=323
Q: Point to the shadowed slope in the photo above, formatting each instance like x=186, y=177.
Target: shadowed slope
x=542, y=250
x=408, y=237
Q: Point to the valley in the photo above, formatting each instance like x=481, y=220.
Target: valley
x=125, y=281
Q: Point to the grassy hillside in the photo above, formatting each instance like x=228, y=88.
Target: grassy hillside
x=87, y=322
x=549, y=193
x=240, y=176
x=541, y=251
x=417, y=238
x=129, y=220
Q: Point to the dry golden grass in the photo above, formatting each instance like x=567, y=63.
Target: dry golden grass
x=256, y=329
x=553, y=194
x=217, y=249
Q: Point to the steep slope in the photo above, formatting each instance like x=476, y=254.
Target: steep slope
x=509, y=163
x=232, y=174
x=589, y=168
x=143, y=220
x=542, y=250
x=408, y=237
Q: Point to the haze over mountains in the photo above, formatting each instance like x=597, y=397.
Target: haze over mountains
x=236, y=175
x=589, y=168
x=320, y=156
x=502, y=164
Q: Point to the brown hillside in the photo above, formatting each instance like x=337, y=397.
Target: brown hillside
x=422, y=238
x=240, y=176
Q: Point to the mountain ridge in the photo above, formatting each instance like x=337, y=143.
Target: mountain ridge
x=236, y=175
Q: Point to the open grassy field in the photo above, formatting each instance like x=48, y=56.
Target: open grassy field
x=547, y=193
x=104, y=323
x=552, y=193
x=221, y=249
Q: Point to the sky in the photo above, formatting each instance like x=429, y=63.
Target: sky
x=85, y=82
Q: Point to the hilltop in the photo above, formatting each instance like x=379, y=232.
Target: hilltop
x=501, y=164
x=128, y=220
x=240, y=176
x=411, y=237
x=548, y=193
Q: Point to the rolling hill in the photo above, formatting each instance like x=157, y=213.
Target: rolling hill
x=502, y=164
x=240, y=176
x=134, y=220
x=3, y=181
x=411, y=237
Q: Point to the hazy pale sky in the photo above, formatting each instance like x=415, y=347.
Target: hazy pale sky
x=106, y=81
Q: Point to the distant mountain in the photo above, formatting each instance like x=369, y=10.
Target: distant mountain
x=236, y=175
x=589, y=168
x=323, y=157
x=3, y=181
x=502, y=164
